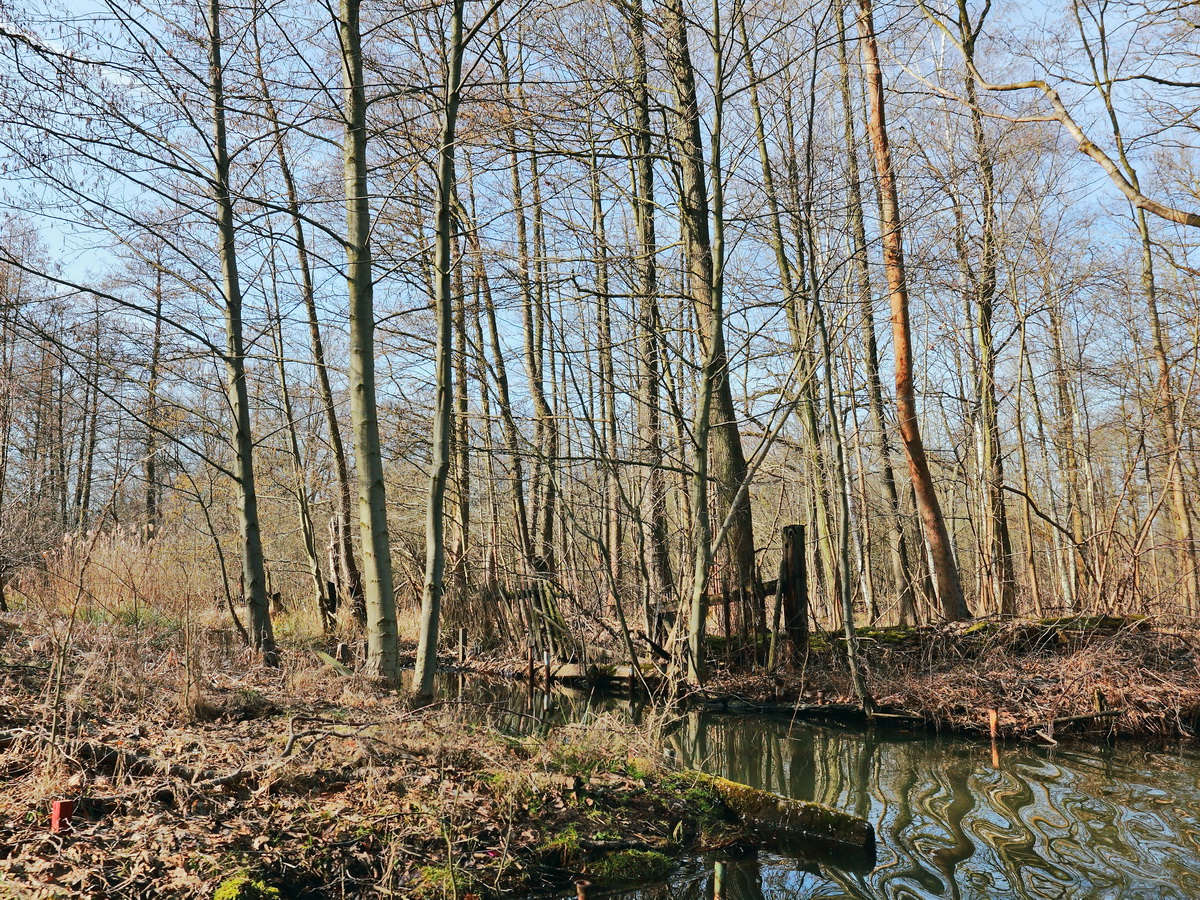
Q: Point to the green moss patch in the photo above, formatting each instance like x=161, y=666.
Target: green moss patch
x=631, y=865
x=244, y=887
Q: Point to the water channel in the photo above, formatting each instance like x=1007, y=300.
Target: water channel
x=954, y=818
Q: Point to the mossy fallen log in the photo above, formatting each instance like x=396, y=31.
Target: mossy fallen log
x=785, y=819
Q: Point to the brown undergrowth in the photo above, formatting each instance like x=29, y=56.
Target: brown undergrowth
x=1046, y=680
x=196, y=773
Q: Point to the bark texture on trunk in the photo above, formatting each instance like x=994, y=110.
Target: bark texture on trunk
x=372, y=502
x=727, y=461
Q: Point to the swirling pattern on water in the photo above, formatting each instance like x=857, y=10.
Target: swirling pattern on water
x=1044, y=823
x=1069, y=823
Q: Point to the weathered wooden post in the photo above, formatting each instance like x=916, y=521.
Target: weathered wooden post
x=462, y=646
x=793, y=589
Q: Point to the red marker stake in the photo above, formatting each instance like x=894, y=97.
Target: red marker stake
x=60, y=814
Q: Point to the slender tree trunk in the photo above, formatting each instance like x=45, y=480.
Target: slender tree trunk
x=348, y=579
x=725, y=456
x=997, y=542
x=660, y=585
x=1035, y=588
x=1065, y=439
x=7, y=394
x=372, y=501
x=90, y=420
x=262, y=637
x=462, y=434
x=608, y=394
x=443, y=303
x=153, y=490
x=299, y=480
x=531, y=319
x=954, y=605
x=509, y=431
x=538, y=352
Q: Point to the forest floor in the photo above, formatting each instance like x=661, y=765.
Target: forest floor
x=223, y=779
x=196, y=773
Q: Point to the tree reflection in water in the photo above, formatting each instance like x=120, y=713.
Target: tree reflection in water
x=1082, y=822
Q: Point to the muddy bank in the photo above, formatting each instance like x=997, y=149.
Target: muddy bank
x=1041, y=680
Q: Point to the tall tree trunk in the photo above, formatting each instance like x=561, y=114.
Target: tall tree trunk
x=90, y=431
x=538, y=348
x=347, y=577
x=372, y=501
x=153, y=489
x=462, y=435
x=508, y=422
x=950, y=594
x=1035, y=588
x=1167, y=404
x=726, y=457
x=532, y=317
x=1065, y=440
x=608, y=394
x=254, y=577
x=902, y=577
x=308, y=531
x=7, y=394
x=656, y=560
x=443, y=304
x=997, y=542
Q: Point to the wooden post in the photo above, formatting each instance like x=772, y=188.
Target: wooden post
x=462, y=646
x=793, y=589
x=993, y=728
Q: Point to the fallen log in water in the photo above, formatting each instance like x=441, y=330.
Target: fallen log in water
x=785, y=819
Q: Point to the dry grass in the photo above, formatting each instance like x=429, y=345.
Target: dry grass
x=189, y=763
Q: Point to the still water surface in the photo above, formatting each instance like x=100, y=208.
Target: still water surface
x=952, y=818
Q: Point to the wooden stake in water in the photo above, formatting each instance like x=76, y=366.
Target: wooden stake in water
x=994, y=729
